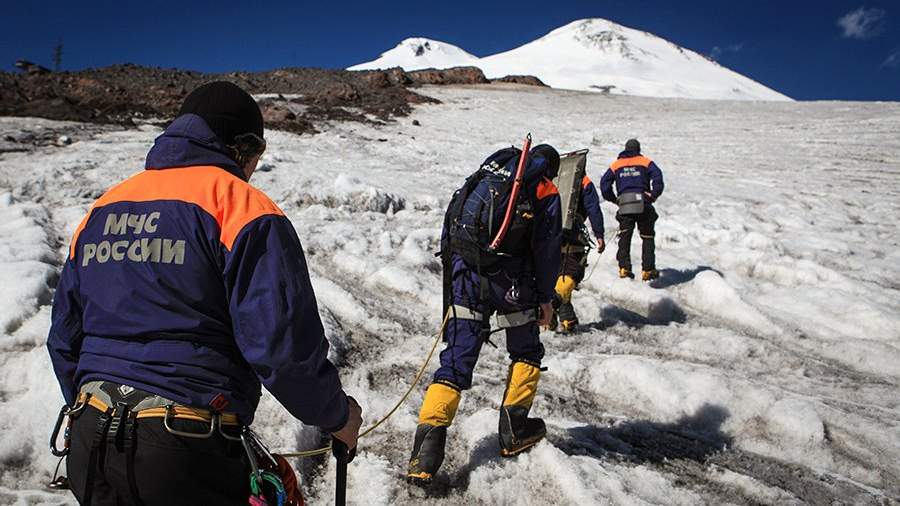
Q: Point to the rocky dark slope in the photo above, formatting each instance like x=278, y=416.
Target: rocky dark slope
x=293, y=99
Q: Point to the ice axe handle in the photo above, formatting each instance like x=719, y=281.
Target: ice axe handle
x=339, y=450
x=343, y=457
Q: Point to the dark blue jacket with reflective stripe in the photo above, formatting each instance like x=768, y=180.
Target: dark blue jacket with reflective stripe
x=632, y=172
x=187, y=282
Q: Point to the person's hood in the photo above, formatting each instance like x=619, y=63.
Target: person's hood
x=188, y=141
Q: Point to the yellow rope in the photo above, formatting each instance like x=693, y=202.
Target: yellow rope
x=437, y=339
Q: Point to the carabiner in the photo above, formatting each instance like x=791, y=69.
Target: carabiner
x=218, y=420
x=255, y=441
x=251, y=456
x=65, y=411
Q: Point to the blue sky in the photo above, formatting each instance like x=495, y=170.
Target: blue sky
x=806, y=49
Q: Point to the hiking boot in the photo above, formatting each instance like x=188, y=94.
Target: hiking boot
x=436, y=414
x=427, y=455
x=625, y=272
x=518, y=432
x=568, y=326
x=567, y=317
x=649, y=275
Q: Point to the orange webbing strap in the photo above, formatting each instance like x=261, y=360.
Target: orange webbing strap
x=180, y=412
x=186, y=413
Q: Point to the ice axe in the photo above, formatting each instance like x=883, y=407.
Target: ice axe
x=343, y=456
x=513, y=197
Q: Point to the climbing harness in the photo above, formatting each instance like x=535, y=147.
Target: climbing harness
x=117, y=426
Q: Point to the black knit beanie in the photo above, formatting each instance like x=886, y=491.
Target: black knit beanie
x=633, y=145
x=226, y=108
x=548, y=153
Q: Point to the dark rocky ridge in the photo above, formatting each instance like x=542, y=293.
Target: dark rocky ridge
x=300, y=97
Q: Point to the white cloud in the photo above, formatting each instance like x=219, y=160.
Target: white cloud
x=862, y=23
x=718, y=51
x=893, y=60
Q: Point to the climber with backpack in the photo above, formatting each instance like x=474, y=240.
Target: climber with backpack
x=500, y=250
x=580, y=203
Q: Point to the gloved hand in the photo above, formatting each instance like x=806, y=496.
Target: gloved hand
x=350, y=432
x=649, y=198
x=601, y=245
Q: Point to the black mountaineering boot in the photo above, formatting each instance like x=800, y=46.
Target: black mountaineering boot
x=518, y=432
x=427, y=455
x=567, y=319
x=435, y=415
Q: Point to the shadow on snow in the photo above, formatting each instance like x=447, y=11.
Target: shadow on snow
x=695, y=437
x=673, y=277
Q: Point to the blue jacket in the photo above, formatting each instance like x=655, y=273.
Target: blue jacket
x=546, y=238
x=589, y=206
x=632, y=172
x=187, y=282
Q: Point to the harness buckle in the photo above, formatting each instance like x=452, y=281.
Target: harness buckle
x=120, y=416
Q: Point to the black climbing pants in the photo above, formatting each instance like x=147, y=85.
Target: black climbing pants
x=166, y=470
x=645, y=223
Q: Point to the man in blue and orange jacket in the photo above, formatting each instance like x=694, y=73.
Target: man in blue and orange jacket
x=519, y=288
x=184, y=290
x=575, y=249
x=639, y=183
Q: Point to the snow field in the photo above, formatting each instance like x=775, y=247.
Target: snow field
x=760, y=368
x=27, y=405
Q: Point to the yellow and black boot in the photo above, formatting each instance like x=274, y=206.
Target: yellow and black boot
x=518, y=432
x=564, y=312
x=568, y=321
x=650, y=275
x=436, y=414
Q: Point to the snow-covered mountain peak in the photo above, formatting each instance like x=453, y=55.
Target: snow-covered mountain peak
x=592, y=54
x=422, y=47
x=417, y=53
x=599, y=34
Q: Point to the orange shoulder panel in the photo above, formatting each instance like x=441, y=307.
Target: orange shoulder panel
x=586, y=181
x=545, y=189
x=630, y=162
x=233, y=203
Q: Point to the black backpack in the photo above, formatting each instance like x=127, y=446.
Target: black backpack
x=477, y=209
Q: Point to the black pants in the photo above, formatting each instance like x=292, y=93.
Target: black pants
x=168, y=470
x=645, y=223
x=573, y=259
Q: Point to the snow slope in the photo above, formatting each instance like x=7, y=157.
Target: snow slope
x=418, y=53
x=594, y=55
x=761, y=368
